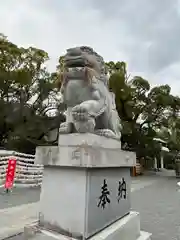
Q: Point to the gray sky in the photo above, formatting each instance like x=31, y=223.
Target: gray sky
x=144, y=33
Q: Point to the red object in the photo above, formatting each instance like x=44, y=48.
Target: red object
x=10, y=173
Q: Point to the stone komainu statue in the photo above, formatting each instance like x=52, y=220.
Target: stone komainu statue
x=90, y=106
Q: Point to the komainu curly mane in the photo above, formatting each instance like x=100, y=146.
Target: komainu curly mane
x=91, y=107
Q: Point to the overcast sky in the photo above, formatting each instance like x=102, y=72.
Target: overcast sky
x=144, y=33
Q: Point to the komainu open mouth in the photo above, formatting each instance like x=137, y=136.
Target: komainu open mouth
x=77, y=62
x=80, y=63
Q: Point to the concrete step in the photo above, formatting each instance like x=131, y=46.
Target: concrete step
x=144, y=236
x=13, y=220
x=127, y=228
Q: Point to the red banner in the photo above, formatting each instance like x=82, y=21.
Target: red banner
x=10, y=173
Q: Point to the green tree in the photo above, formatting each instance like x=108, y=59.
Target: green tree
x=27, y=90
x=143, y=110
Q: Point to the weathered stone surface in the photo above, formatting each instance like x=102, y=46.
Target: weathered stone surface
x=87, y=177
x=91, y=107
x=31, y=230
x=79, y=190
x=127, y=228
x=85, y=150
x=89, y=139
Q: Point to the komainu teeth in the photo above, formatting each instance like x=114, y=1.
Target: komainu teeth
x=79, y=68
x=75, y=68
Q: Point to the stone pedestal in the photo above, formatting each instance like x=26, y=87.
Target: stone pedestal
x=86, y=188
x=127, y=228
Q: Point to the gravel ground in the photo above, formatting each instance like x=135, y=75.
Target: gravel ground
x=158, y=204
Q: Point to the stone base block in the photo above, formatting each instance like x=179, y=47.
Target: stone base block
x=86, y=190
x=86, y=184
x=127, y=228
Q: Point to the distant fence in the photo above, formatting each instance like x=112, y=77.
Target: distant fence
x=27, y=174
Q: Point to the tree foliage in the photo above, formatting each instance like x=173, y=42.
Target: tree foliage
x=26, y=92
x=144, y=111
x=30, y=103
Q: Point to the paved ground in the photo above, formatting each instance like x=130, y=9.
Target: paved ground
x=159, y=207
x=155, y=197
x=12, y=220
x=18, y=197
